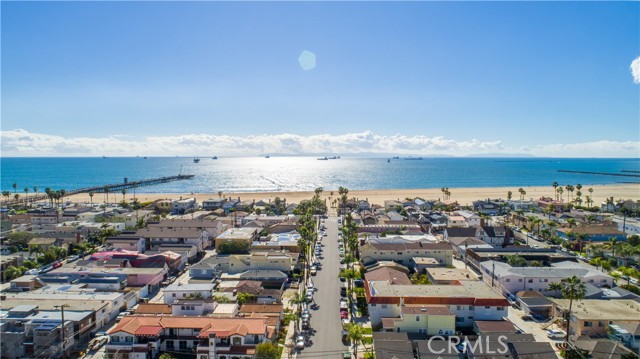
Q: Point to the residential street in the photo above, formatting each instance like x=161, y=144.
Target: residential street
x=325, y=338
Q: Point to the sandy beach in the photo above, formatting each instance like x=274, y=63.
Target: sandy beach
x=464, y=196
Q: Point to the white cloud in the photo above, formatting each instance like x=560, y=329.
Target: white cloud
x=635, y=70
x=24, y=143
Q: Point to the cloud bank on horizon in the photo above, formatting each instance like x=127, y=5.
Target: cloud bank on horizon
x=19, y=142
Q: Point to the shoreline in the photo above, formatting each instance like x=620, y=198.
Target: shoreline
x=464, y=196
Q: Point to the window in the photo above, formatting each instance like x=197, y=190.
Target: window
x=169, y=344
x=601, y=324
x=459, y=319
x=471, y=307
x=529, y=280
x=128, y=339
x=236, y=341
x=520, y=280
x=588, y=324
x=544, y=280
x=417, y=318
x=183, y=344
x=458, y=307
x=384, y=306
x=173, y=295
x=500, y=308
x=507, y=280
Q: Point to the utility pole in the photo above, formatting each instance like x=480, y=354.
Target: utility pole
x=64, y=353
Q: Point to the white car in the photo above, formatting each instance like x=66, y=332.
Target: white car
x=556, y=334
x=300, y=342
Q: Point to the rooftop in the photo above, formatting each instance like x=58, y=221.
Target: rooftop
x=467, y=289
x=222, y=327
x=449, y=274
x=596, y=309
x=239, y=233
x=391, y=275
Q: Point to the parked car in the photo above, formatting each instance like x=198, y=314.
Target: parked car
x=358, y=283
x=309, y=295
x=300, y=342
x=556, y=334
x=72, y=259
x=344, y=314
x=313, y=271
x=306, y=324
x=344, y=304
x=305, y=314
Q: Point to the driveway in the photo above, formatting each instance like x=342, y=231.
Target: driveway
x=325, y=336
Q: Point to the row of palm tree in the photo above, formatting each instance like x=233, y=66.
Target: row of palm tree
x=559, y=190
x=445, y=191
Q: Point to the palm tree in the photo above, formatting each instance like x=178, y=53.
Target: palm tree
x=219, y=194
x=106, y=192
x=531, y=221
x=35, y=191
x=573, y=289
x=91, y=197
x=15, y=188
x=298, y=299
x=555, y=189
x=557, y=287
x=569, y=192
x=580, y=238
x=47, y=190
x=124, y=192
x=62, y=193
x=16, y=197
x=6, y=194
x=560, y=191
x=516, y=261
x=590, y=192
x=509, y=194
x=611, y=244
x=571, y=222
x=355, y=335
x=26, y=195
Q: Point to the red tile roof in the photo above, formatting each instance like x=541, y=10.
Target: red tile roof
x=148, y=330
x=206, y=325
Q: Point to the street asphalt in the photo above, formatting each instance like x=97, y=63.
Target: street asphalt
x=324, y=339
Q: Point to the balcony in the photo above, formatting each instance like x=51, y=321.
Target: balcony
x=202, y=348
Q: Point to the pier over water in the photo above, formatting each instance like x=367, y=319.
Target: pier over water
x=113, y=187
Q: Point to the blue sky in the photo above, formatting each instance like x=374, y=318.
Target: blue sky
x=524, y=75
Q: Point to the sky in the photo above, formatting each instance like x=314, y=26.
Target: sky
x=454, y=78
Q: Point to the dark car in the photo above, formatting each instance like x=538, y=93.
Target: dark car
x=358, y=283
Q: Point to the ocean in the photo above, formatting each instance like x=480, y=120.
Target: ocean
x=253, y=174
